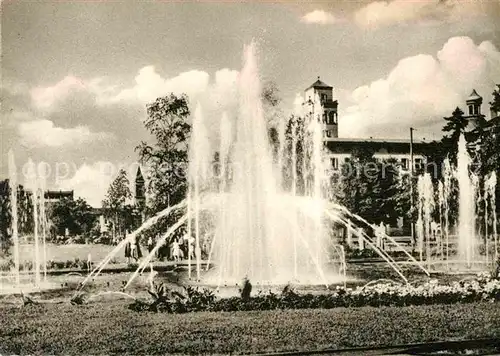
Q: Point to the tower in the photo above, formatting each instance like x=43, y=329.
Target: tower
x=140, y=188
x=330, y=107
x=473, y=102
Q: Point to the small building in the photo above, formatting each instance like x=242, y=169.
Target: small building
x=52, y=196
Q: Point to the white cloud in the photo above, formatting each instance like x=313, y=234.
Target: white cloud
x=422, y=89
x=385, y=13
x=47, y=97
x=319, y=17
x=150, y=85
x=43, y=133
x=90, y=181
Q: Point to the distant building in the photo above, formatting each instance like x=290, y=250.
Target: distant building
x=52, y=196
x=139, y=188
x=342, y=149
x=473, y=113
x=329, y=106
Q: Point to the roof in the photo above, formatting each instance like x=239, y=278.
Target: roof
x=318, y=84
x=138, y=176
x=474, y=96
x=57, y=194
x=376, y=140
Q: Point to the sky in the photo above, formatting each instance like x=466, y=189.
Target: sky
x=77, y=75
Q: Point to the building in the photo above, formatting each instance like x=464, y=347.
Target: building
x=329, y=106
x=341, y=149
x=139, y=188
x=52, y=196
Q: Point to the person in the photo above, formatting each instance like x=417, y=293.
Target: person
x=175, y=250
x=136, y=249
x=128, y=250
x=191, y=242
x=150, y=244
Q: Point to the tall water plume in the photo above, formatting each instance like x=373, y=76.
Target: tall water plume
x=467, y=206
x=14, y=219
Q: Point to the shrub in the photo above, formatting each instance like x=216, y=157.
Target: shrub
x=484, y=287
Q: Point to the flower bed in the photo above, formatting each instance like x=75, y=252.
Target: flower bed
x=481, y=288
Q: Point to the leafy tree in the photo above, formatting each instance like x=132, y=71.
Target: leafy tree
x=455, y=126
x=271, y=101
x=495, y=103
x=5, y=216
x=24, y=213
x=167, y=157
x=115, y=201
x=75, y=215
x=369, y=188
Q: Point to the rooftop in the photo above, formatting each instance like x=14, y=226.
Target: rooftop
x=318, y=84
x=474, y=95
x=376, y=140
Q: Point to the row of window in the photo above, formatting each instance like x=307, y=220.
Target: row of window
x=330, y=118
x=474, y=109
x=404, y=163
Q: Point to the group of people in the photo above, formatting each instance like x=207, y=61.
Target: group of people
x=176, y=250
x=133, y=249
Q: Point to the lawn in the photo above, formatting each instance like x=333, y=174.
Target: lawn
x=109, y=327
x=57, y=252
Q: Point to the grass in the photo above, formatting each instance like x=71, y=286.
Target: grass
x=107, y=328
x=57, y=252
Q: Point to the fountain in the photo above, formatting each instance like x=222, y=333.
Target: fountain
x=458, y=247
x=21, y=278
x=250, y=217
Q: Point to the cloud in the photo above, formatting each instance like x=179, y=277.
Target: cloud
x=421, y=89
x=43, y=133
x=319, y=17
x=90, y=182
x=476, y=14
x=150, y=85
x=46, y=97
x=385, y=13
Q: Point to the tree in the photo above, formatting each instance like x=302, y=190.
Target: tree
x=369, y=188
x=495, y=103
x=167, y=157
x=455, y=126
x=271, y=101
x=115, y=201
x=24, y=213
x=75, y=215
x=5, y=216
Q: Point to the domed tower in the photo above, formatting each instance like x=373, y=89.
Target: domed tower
x=474, y=102
x=330, y=107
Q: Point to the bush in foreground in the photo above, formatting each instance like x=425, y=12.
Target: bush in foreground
x=482, y=288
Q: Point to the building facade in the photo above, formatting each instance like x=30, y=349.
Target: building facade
x=341, y=150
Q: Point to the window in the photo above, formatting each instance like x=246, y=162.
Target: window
x=405, y=164
x=419, y=163
x=323, y=98
x=347, y=160
x=471, y=109
x=328, y=133
x=332, y=118
x=476, y=109
x=335, y=163
x=325, y=119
